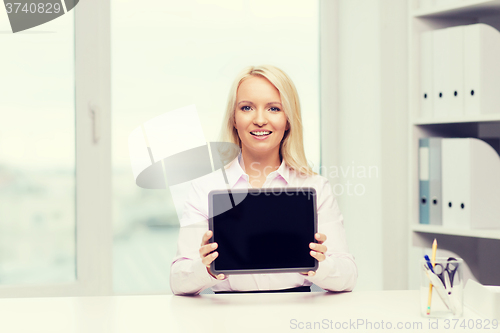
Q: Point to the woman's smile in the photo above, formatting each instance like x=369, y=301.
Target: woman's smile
x=261, y=135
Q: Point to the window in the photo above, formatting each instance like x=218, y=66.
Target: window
x=37, y=154
x=170, y=54
x=55, y=177
x=57, y=161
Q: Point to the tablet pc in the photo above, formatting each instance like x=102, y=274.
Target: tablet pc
x=263, y=230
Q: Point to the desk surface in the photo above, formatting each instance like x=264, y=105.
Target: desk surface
x=219, y=313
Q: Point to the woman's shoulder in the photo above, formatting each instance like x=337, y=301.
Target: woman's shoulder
x=209, y=182
x=320, y=183
x=205, y=182
x=196, y=193
x=311, y=179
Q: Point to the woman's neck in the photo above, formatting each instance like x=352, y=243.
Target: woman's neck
x=259, y=166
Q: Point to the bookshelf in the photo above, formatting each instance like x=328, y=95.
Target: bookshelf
x=486, y=118
x=438, y=230
x=475, y=246
x=459, y=8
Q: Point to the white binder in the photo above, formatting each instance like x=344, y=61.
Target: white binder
x=482, y=69
x=426, y=76
x=441, y=73
x=456, y=70
x=471, y=184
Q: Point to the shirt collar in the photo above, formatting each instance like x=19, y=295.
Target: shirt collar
x=235, y=171
x=284, y=171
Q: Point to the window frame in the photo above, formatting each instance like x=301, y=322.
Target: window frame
x=93, y=224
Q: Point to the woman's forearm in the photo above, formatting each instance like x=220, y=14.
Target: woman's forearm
x=190, y=277
x=338, y=272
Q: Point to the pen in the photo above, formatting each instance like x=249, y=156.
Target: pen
x=434, y=248
x=429, y=263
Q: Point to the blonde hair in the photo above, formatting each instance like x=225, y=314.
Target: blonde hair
x=291, y=146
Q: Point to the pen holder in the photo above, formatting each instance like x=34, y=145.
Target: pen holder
x=445, y=298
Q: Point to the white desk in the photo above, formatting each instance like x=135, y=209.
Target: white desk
x=216, y=313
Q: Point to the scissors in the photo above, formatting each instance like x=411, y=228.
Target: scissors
x=442, y=277
x=446, y=272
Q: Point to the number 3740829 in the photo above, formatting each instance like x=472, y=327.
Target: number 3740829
x=40, y=8
x=478, y=324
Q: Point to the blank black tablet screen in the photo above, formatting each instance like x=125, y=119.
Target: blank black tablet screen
x=265, y=231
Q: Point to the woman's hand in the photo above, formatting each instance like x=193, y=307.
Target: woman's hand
x=317, y=251
x=206, y=254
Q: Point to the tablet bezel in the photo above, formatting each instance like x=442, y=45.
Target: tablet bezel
x=267, y=192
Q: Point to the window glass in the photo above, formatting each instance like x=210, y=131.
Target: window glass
x=37, y=153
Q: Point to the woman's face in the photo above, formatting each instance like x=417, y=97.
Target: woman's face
x=259, y=117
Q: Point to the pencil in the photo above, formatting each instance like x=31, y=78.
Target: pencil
x=433, y=262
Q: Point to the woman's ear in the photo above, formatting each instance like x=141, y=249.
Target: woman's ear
x=287, y=126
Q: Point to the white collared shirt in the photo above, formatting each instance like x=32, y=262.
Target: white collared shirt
x=188, y=275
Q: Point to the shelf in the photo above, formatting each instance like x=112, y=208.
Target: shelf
x=469, y=8
x=476, y=233
x=454, y=120
x=469, y=244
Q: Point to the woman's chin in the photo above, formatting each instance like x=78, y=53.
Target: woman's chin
x=263, y=149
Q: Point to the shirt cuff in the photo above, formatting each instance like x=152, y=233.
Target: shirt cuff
x=201, y=270
x=324, y=269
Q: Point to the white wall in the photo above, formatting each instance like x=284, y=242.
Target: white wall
x=369, y=99
x=359, y=133
x=394, y=144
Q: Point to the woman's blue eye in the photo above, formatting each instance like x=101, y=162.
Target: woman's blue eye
x=245, y=108
x=275, y=109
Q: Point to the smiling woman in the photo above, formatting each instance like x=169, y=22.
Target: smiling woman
x=263, y=118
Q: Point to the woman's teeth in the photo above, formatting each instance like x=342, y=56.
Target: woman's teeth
x=260, y=133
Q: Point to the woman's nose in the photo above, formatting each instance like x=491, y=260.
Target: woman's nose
x=260, y=118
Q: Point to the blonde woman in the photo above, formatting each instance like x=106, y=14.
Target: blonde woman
x=263, y=117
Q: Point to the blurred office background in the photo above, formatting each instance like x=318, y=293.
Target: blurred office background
x=72, y=220
x=348, y=59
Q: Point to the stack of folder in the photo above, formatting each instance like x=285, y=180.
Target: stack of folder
x=459, y=71
x=459, y=183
